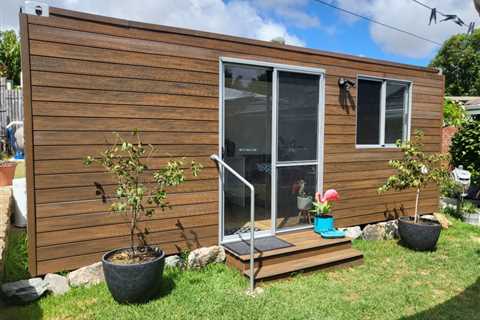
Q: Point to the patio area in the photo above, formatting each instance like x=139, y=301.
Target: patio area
x=443, y=284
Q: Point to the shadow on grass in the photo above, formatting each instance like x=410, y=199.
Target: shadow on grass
x=463, y=306
x=31, y=311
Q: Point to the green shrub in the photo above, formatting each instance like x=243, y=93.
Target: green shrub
x=469, y=207
x=450, y=188
x=453, y=113
x=465, y=149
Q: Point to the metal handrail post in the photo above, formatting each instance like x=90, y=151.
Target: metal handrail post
x=252, y=215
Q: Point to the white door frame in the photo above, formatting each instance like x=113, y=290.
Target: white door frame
x=320, y=139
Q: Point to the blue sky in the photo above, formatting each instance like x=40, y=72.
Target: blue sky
x=299, y=22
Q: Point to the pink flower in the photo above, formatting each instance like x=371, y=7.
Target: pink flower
x=331, y=195
x=318, y=197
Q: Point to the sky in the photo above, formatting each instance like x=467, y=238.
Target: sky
x=305, y=23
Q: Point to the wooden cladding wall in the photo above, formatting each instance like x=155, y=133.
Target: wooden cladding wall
x=87, y=76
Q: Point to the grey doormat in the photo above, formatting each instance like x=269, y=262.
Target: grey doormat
x=242, y=247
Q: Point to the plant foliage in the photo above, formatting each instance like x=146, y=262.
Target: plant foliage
x=126, y=162
x=10, y=56
x=416, y=169
x=465, y=149
x=459, y=59
x=453, y=113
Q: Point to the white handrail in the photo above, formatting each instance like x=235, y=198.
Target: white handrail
x=252, y=216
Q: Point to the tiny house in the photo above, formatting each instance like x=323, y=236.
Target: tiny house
x=279, y=115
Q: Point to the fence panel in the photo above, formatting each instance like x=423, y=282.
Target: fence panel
x=11, y=107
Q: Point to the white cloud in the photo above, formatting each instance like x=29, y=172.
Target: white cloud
x=411, y=17
x=235, y=17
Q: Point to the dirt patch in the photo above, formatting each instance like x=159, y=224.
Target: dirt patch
x=128, y=256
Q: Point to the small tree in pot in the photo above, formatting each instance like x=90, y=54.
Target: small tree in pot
x=417, y=170
x=134, y=274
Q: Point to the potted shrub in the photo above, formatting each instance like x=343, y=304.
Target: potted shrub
x=134, y=273
x=323, y=221
x=451, y=192
x=470, y=213
x=7, y=170
x=304, y=201
x=416, y=170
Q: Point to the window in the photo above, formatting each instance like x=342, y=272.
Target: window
x=382, y=111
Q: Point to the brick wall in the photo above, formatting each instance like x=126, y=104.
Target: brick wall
x=447, y=134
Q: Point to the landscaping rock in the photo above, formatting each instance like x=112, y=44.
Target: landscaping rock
x=374, y=232
x=443, y=220
x=25, y=290
x=86, y=276
x=199, y=258
x=57, y=284
x=352, y=232
x=391, y=229
x=174, y=262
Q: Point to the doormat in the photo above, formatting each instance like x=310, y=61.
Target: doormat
x=242, y=247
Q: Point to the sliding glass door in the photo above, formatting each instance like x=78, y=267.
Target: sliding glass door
x=296, y=165
x=270, y=135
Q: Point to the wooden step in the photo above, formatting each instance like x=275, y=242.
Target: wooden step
x=339, y=258
x=301, y=242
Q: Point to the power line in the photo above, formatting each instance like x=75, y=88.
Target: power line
x=379, y=22
x=454, y=18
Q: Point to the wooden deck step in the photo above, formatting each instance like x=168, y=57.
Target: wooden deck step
x=345, y=257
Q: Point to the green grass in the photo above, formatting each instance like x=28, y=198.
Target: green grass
x=16, y=261
x=394, y=283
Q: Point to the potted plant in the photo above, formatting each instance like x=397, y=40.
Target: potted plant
x=134, y=273
x=304, y=201
x=470, y=213
x=323, y=221
x=416, y=170
x=7, y=170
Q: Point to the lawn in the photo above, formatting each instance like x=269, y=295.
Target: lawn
x=394, y=283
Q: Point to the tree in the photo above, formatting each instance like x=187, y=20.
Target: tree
x=10, y=56
x=416, y=169
x=134, y=196
x=459, y=59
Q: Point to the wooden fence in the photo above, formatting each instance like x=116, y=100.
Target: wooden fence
x=11, y=106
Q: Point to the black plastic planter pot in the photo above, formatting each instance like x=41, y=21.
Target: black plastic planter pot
x=422, y=236
x=134, y=283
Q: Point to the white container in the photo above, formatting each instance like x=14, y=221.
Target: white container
x=19, y=187
x=472, y=218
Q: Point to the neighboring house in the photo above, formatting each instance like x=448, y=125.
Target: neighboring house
x=471, y=105
x=275, y=113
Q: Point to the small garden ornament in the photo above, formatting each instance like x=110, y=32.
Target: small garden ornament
x=323, y=221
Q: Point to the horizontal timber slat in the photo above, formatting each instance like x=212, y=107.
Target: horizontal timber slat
x=123, y=229
x=89, y=192
x=81, y=151
x=105, y=178
x=64, y=80
x=120, y=97
x=74, y=66
x=73, y=262
x=55, y=138
x=77, y=165
x=79, y=109
x=89, y=206
x=109, y=218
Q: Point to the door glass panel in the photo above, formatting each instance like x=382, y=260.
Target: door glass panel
x=368, y=111
x=394, y=111
x=247, y=146
x=298, y=97
x=292, y=204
